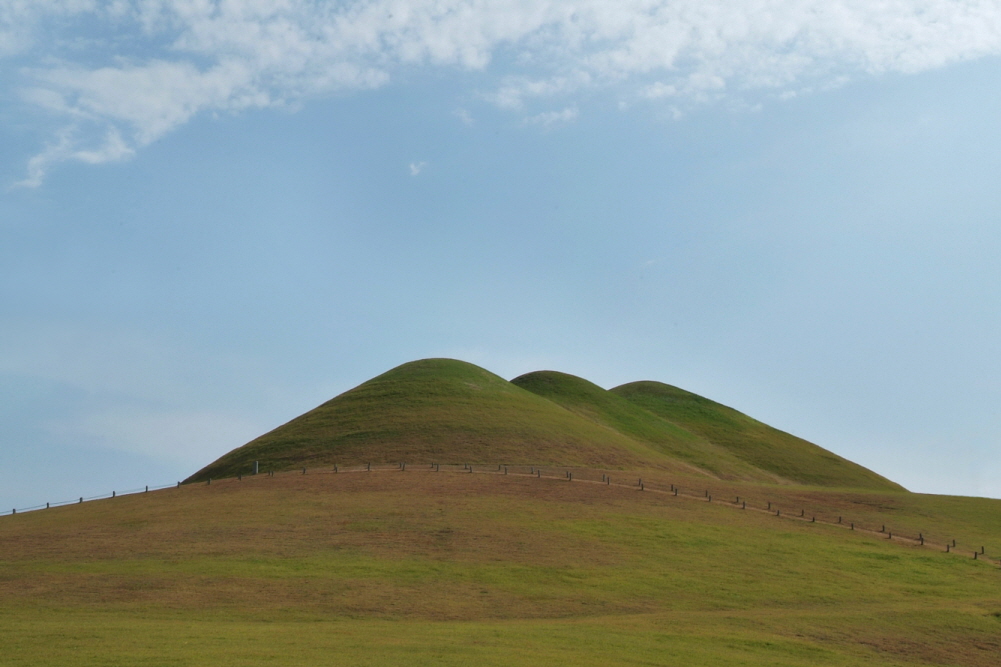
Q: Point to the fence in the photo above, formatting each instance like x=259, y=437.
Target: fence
x=620, y=480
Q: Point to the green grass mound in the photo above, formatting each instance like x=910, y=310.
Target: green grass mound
x=758, y=444
x=621, y=415
x=436, y=410
x=448, y=411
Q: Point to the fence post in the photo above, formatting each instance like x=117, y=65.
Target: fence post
x=608, y=480
x=743, y=504
x=147, y=488
x=769, y=505
x=813, y=519
x=81, y=500
x=178, y=485
x=303, y=471
x=112, y=494
x=369, y=468
x=46, y=506
x=947, y=547
x=256, y=466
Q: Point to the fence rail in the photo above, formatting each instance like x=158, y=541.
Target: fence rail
x=585, y=475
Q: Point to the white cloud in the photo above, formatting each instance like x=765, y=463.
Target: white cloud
x=550, y=118
x=417, y=167
x=121, y=74
x=464, y=116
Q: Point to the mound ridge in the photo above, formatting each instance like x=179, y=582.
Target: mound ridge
x=758, y=444
x=450, y=411
x=622, y=415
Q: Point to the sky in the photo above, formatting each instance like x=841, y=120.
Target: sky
x=216, y=215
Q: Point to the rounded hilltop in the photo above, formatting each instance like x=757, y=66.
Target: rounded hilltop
x=450, y=411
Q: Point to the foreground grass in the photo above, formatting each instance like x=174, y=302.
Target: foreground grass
x=423, y=568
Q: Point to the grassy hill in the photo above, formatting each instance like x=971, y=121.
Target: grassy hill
x=619, y=414
x=773, y=552
x=758, y=444
x=454, y=412
x=436, y=410
x=451, y=568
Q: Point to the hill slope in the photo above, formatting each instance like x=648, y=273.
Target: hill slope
x=615, y=412
x=427, y=568
x=436, y=410
x=758, y=444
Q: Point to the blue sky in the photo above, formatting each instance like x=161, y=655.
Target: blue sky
x=215, y=216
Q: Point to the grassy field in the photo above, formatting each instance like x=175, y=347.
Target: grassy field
x=418, y=567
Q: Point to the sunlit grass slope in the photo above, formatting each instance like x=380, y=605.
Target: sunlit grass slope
x=758, y=444
x=424, y=568
x=436, y=410
x=617, y=413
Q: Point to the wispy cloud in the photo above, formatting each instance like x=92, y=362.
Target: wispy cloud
x=417, y=167
x=118, y=75
x=550, y=118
